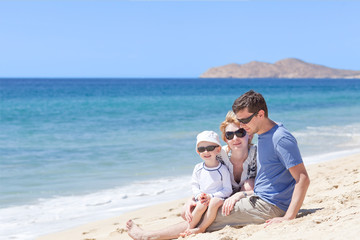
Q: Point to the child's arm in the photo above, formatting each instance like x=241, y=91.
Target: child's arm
x=195, y=186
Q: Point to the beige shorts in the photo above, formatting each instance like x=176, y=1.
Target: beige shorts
x=250, y=210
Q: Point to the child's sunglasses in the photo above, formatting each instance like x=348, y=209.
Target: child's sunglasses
x=207, y=148
x=239, y=133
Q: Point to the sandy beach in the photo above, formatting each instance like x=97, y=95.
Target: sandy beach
x=331, y=210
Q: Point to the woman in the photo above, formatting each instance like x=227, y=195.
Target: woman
x=241, y=160
x=239, y=156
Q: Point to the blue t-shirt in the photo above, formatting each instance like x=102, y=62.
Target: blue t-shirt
x=277, y=152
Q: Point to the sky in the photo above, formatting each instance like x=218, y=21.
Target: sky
x=171, y=39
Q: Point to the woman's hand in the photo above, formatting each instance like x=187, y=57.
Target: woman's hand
x=230, y=203
x=189, y=208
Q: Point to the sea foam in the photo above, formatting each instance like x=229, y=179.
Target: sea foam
x=55, y=214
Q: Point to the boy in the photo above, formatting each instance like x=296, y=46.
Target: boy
x=211, y=182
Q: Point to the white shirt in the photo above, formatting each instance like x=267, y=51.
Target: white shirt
x=214, y=181
x=249, y=167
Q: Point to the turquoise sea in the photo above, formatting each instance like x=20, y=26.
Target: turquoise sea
x=78, y=150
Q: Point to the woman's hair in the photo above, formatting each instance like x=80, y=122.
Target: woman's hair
x=229, y=119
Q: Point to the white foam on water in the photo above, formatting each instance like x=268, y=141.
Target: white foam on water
x=320, y=140
x=329, y=156
x=51, y=215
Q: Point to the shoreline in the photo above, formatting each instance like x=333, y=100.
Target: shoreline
x=331, y=210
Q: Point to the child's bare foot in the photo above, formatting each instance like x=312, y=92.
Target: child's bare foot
x=134, y=231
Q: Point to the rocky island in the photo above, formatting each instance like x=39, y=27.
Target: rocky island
x=286, y=68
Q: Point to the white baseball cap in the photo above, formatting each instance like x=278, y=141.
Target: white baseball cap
x=208, y=136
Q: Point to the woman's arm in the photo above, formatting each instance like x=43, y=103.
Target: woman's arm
x=189, y=206
x=230, y=202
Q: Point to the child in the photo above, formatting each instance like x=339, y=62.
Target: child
x=211, y=182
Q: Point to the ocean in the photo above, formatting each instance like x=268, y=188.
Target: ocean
x=80, y=150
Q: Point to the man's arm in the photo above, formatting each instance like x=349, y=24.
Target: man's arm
x=302, y=179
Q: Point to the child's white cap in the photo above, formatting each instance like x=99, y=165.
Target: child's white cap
x=208, y=136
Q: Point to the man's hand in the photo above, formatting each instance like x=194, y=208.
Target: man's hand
x=275, y=220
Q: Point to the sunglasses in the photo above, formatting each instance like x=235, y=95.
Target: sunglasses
x=247, y=120
x=207, y=148
x=239, y=133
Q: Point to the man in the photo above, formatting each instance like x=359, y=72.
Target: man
x=281, y=182
x=280, y=185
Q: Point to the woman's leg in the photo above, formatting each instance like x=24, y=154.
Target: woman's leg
x=170, y=232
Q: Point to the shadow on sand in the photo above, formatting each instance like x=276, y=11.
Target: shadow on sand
x=305, y=212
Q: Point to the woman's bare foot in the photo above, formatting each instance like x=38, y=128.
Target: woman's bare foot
x=134, y=231
x=191, y=231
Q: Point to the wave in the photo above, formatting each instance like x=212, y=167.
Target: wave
x=320, y=140
x=58, y=213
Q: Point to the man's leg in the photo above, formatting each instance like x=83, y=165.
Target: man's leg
x=250, y=210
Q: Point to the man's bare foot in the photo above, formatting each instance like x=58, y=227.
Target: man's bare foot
x=134, y=231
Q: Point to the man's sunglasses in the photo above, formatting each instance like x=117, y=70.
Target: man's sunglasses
x=239, y=133
x=247, y=120
x=207, y=148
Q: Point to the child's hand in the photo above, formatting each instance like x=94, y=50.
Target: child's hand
x=204, y=199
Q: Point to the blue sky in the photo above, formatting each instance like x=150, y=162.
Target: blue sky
x=171, y=38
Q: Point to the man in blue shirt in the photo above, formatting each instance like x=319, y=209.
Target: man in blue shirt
x=282, y=180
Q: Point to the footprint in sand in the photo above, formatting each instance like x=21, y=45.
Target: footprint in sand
x=90, y=231
x=121, y=230
x=117, y=232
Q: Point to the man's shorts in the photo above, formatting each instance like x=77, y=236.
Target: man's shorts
x=250, y=210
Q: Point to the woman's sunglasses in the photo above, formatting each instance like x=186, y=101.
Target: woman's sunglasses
x=207, y=148
x=239, y=133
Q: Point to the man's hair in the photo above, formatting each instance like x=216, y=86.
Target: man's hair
x=251, y=100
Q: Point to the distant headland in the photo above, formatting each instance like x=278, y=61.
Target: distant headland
x=286, y=68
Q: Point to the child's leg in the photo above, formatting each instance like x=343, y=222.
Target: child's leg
x=197, y=214
x=209, y=216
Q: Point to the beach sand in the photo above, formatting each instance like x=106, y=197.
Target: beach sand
x=331, y=210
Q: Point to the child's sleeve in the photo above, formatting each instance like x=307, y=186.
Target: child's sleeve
x=195, y=186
